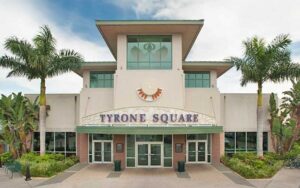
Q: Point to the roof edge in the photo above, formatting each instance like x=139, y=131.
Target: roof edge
x=150, y=22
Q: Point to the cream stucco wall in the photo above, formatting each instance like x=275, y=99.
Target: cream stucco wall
x=64, y=111
x=94, y=100
x=239, y=112
x=127, y=82
x=205, y=101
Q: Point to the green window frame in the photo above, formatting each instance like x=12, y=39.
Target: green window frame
x=197, y=79
x=149, y=52
x=101, y=79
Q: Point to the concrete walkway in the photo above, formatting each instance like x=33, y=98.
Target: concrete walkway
x=102, y=176
x=285, y=178
x=90, y=176
x=18, y=181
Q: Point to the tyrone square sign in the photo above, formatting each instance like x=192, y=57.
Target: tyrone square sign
x=142, y=118
x=147, y=116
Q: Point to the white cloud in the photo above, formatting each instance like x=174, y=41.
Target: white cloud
x=23, y=19
x=226, y=25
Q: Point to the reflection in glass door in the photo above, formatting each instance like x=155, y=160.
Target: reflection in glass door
x=192, y=151
x=143, y=154
x=155, y=156
x=97, y=152
x=102, y=151
x=107, y=151
x=149, y=154
x=201, y=152
x=197, y=151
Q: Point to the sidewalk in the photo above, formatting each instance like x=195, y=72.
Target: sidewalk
x=18, y=181
x=285, y=178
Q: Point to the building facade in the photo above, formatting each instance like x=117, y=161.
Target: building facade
x=151, y=107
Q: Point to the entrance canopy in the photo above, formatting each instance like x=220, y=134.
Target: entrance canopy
x=148, y=120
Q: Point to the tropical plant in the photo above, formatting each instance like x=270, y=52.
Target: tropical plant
x=263, y=62
x=291, y=103
x=39, y=61
x=285, y=121
x=18, y=120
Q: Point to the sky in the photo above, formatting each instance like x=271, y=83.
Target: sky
x=72, y=22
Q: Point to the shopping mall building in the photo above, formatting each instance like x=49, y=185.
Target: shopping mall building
x=151, y=107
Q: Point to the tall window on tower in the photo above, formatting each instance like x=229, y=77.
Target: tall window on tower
x=149, y=52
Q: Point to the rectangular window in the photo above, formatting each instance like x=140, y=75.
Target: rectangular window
x=197, y=79
x=60, y=141
x=251, y=141
x=149, y=138
x=265, y=141
x=101, y=79
x=71, y=142
x=36, y=142
x=49, y=141
x=243, y=141
x=230, y=142
x=149, y=52
x=168, y=150
x=57, y=142
x=240, y=144
x=130, y=151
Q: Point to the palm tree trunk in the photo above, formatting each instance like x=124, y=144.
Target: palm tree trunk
x=42, y=118
x=29, y=141
x=260, y=125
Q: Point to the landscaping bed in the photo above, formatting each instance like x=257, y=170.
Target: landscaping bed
x=46, y=165
x=250, y=166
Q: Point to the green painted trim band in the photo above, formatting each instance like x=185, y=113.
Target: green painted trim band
x=148, y=130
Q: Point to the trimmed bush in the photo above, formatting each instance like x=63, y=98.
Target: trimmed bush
x=6, y=157
x=46, y=165
x=293, y=153
x=249, y=165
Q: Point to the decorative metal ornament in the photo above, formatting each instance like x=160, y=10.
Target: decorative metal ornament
x=149, y=97
x=149, y=47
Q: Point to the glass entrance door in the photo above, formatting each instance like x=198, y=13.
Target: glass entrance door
x=155, y=156
x=149, y=154
x=97, y=152
x=102, y=151
x=143, y=155
x=197, y=151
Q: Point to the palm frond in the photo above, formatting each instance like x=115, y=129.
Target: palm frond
x=65, y=61
x=282, y=41
x=20, y=48
x=45, y=42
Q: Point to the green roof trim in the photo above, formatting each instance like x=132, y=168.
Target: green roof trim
x=149, y=130
x=139, y=22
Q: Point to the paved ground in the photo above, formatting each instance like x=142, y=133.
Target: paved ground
x=196, y=176
x=285, y=178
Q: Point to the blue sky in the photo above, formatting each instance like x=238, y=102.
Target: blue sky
x=81, y=15
x=73, y=24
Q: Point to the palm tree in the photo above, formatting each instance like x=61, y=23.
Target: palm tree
x=39, y=61
x=263, y=62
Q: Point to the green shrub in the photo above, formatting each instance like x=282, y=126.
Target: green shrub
x=294, y=152
x=249, y=165
x=6, y=157
x=46, y=165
